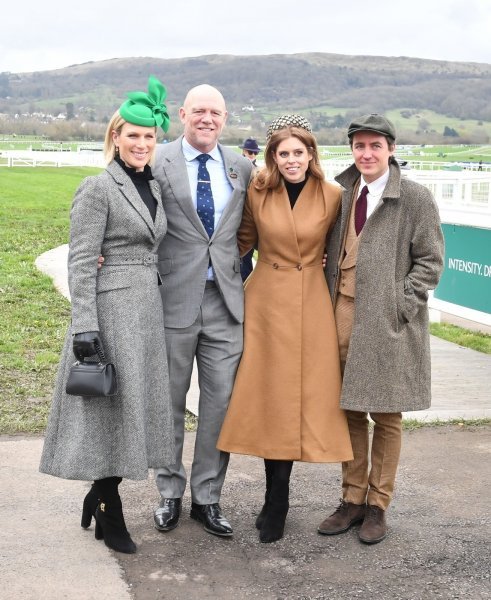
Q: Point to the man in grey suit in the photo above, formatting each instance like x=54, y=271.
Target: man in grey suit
x=202, y=297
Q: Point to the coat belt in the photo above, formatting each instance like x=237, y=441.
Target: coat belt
x=297, y=267
x=120, y=259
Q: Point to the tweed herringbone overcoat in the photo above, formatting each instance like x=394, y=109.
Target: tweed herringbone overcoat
x=400, y=258
x=285, y=402
x=122, y=435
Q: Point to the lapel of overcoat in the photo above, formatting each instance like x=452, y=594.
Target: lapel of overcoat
x=348, y=180
x=131, y=194
x=301, y=210
x=160, y=220
x=284, y=211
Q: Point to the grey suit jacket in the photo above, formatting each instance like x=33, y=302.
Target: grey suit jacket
x=186, y=251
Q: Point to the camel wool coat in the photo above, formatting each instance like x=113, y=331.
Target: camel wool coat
x=285, y=402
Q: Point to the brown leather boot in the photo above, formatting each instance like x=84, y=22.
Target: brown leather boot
x=345, y=516
x=374, y=527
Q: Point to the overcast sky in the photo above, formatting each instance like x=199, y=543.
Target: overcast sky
x=37, y=35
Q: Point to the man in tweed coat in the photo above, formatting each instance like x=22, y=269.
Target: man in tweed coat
x=379, y=273
x=202, y=297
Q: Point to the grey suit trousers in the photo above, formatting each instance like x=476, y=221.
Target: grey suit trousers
x=216, y=340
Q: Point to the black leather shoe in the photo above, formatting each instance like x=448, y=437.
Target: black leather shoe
x=211, y=517
x=166, y=516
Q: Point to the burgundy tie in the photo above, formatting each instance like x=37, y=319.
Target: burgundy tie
x=361, y=210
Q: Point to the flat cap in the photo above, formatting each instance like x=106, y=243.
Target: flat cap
x=373, y=122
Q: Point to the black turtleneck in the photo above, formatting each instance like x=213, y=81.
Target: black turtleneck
x=140, y=180
x=294, y=189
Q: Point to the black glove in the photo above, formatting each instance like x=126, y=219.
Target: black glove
x=84, y=344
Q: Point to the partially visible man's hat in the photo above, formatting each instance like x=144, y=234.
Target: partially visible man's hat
x=147, y=110
x=288, y=121
x=373, y=122
x=251, y=145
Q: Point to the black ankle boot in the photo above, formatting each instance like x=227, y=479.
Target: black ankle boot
x=110, y=525
x=91, y=501
x=273, y=524
x=269, y=473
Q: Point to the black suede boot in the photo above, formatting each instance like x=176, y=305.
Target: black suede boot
x=91, y=501
x=269, y=474
x=110, y=524
x=274, y=520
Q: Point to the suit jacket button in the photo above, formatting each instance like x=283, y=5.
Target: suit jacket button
x=299, y=267
x=275, y=265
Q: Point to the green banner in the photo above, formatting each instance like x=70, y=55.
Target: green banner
x=466, y=280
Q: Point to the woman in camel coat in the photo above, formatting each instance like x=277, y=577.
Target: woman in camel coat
x=285, y=403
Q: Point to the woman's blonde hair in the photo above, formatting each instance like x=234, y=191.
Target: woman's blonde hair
x=270, y=177
x=116, y=124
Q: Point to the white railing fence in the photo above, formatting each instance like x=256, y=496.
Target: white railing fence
x=33, y=158
x=464, y=194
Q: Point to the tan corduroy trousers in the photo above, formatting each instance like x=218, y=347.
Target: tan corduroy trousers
x=362, y=482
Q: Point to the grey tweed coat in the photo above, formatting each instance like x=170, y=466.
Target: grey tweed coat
x=400, y=258
x=123, y=435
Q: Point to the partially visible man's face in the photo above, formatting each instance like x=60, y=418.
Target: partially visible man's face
x=249, y=154
x=203, y=115
x=371, y=153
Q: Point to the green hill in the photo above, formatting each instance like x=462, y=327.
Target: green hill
x=423, y=96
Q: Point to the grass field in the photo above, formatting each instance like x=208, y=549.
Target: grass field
x=463, y=337
x=34, y=217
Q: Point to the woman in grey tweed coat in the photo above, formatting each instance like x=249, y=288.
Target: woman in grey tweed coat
x=118, y=214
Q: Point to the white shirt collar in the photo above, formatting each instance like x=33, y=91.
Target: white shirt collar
x=375, y=188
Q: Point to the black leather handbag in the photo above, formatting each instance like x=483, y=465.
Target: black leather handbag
x=92, y=378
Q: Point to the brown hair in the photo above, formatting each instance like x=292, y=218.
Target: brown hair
x=270, y=177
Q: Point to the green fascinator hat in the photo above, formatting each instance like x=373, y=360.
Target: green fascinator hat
x=147, y=110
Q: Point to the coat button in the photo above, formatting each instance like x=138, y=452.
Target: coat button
x=299, y=267
x=275, y=265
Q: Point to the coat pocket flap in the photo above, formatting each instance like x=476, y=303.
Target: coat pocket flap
x=112, y=281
